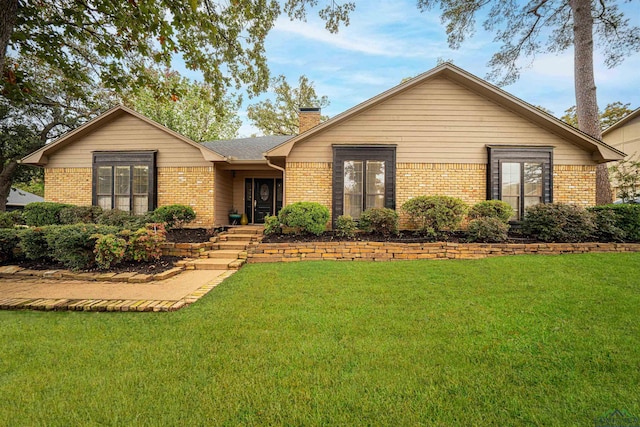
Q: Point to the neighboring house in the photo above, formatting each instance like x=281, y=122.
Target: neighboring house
x=625, y=135
x=443, y=132
x=18, y=199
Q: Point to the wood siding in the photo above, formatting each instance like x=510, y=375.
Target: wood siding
x=626, y=138
x=128, y=133
x=438, y=121
x=223, y=196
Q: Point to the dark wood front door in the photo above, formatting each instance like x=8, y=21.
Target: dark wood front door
x=263, y=199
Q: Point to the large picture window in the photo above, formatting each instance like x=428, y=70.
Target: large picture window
x=124, y=181
x=363, y=178
x=520, y=176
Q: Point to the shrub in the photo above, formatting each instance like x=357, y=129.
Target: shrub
x=33, y=242
x=124, y=219
x=37, y=214
x=379, y=220
x=556, y=222
x=73, y=245
x=305, y=217
x=272, y=225
x=488, y=230
x=8, y=242
x=606, y=222
x=346, y=226
x=80, y=214
x=10, y=219
x=145, y=244
x=491, y=209
x=174, y=216
x=434, y=214
x=625, y=216
x=109, y=250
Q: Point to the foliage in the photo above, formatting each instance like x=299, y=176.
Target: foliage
x=625, y=176
x=272, y=225
x=124, y=219
x=607, y=225
x=188, y=107
x=38, y=214
x=8, y=242
x=491, y=209
x=76, y=214
x=73, y=245
x=434, y=214
x=305, y=217
x=612, y=113
x=10, y=219
x=379, y=220
x=33, y=242
x=173, y=216
x=557, y=222
x=109, y=250
x=280, y=117
x=626, y=217
x=30, y=180
x=346, y=226
x=487, y=229
x=145, y=244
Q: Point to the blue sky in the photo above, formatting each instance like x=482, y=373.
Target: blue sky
x=389, y=40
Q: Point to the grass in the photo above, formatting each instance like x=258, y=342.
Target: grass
x=527, y=340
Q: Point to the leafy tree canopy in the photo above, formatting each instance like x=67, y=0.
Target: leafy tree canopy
x=185, y=106
x=280, y=117
x=611, y=114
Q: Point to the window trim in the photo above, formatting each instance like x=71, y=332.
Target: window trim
x=342, y=153
x=498, y=154
x=125, y=158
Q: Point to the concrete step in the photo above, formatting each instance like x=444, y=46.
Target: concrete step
x=228, y=253
x=213, y=264
x=235, y=246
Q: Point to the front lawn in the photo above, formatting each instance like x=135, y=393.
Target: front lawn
x=526, y=340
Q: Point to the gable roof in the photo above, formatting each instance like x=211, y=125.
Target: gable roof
x=626, y=119
x=601, y=152
x=40, y=157
x=19, y=197
x=246, y=148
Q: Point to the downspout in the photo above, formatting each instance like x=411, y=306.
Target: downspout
x=284, y=180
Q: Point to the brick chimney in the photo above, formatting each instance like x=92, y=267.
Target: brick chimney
x=308, y=118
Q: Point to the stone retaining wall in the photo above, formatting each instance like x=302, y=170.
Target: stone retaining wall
x=382, y=251
x=188, y=250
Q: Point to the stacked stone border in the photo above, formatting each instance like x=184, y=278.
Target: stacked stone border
x=383, y=251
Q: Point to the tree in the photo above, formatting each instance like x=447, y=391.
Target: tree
x=185, y=106
x=281, y=117
x=527, y=28
x=626, y=176
x=224, y=40
x=30, y=118
x=611, y=114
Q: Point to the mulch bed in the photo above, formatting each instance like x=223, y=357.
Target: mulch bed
x=153, y=267
x=190, y=235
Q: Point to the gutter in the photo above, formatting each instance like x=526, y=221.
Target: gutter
x=284, y=181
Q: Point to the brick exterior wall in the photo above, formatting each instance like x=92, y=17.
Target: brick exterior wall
x=68, y=185
x=309, y=182
x=191, y=186
x=307, y=120
x=574, y=184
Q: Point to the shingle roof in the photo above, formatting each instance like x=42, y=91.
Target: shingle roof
x=21, y=198
x=246, y=148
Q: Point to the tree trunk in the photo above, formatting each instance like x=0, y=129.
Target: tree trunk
x=585, y=86
x=6, y=179
x=8, y=13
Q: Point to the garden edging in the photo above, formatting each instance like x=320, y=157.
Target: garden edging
x=384, y=251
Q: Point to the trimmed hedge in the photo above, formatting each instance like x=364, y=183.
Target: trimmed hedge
x=8, y=242
x=73, y=245
x=80, y=214
x=557, y=222
x=38, y=214
x=491, y=209
x=379, y=220
x=488, y=229
x=174, y=216
x=433, y=214
x=10, y=219
x=304, y=217
x=624, y=217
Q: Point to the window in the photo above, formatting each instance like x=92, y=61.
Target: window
x=363, y=178
x=520, y=176
x=124, y=181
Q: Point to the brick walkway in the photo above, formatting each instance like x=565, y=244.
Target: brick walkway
x=164, y=295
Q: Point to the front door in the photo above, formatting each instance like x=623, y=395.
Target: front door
x=263, y=199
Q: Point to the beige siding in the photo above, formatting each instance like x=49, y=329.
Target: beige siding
x=437, y=122
x=626, y=138
x=128, y=133
x=223, y=196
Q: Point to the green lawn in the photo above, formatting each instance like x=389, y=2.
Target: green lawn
x=528, y=340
